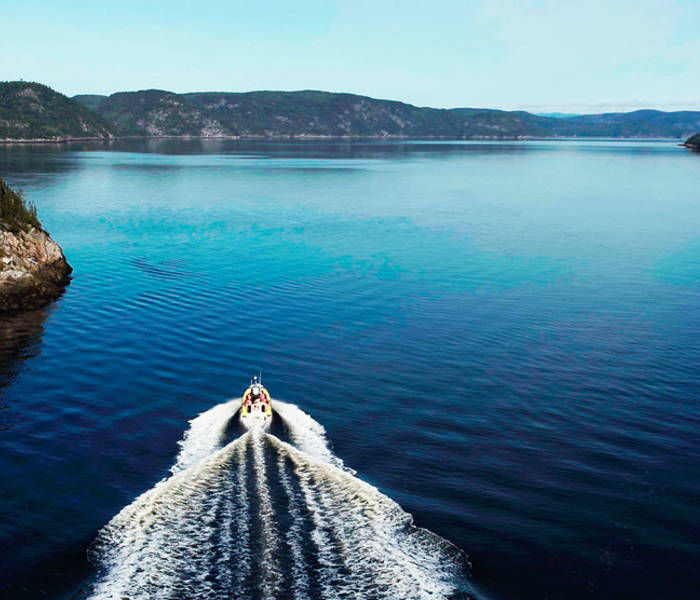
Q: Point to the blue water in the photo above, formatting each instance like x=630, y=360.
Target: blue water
x=504, y=338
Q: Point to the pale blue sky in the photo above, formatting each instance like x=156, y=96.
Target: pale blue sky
x=586, y=56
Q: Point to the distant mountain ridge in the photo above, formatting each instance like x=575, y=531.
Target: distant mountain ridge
x=30, y=111
x=312, y=113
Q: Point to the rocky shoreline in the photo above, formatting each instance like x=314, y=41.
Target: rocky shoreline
x=319, y=137
x=56, y=140
x=33, y=269
x=252, y=137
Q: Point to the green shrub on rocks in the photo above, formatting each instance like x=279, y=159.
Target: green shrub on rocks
x=16, y=214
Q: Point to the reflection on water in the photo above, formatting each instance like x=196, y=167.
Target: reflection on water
x=41, y=157
x=20, y=340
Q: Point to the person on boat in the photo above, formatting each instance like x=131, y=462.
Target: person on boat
x=256, y=398
x=260, y=395
x=253, y=394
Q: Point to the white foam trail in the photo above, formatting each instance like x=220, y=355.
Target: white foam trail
x=307, y=435
x=269, y=568
x=328, y=560
x=294, y=538
x=211, y=532
x=205, y=435
x=243, y=554
x=367, y=543
x=157, y=546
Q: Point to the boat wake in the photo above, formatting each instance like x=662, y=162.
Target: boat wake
x=261, y=518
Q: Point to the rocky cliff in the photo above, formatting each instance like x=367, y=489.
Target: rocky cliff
x=33, y=269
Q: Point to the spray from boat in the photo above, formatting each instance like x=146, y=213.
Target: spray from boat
x=257, y=517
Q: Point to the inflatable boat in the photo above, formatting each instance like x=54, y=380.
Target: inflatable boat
x=256, y=406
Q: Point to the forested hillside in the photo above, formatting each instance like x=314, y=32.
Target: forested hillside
x=35, y=111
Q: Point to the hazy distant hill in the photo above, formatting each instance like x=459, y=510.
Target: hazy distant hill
x=640, y=123
x=34, y=111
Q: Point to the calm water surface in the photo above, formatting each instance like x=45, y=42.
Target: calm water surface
x=504, y=338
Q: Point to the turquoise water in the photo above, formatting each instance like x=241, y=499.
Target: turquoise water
x=501, y=337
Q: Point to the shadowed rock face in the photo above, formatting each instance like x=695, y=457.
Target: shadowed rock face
x=33, y=269
x=693, y=142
